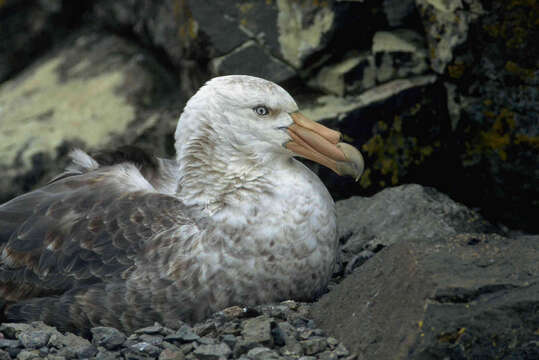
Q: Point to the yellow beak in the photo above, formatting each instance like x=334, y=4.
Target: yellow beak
x=318, y=143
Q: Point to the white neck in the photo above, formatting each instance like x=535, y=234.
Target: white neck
x=214, y=173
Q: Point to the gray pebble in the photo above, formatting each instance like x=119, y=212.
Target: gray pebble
x=212, y=352
x=34, y=339
x=146, y=348
x=156, y=328
x=169, y=354
x=107, y=337
x=9, y=343
x=314, y=345
x=28, y=355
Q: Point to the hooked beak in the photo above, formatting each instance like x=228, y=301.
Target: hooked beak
x=318, y=143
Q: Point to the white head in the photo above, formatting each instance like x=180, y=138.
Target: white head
x=240, y=118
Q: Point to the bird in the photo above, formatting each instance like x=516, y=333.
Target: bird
x=125, y=239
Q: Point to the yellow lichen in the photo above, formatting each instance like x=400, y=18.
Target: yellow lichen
x=456, y=70
x=451, y=337
x=519, y=17
x=188, y=27
x=43, y=110
x=500, y=136
x=392, y=151
x=365, y=180
x=521, y=72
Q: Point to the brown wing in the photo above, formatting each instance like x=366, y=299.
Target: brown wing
x=80, y=232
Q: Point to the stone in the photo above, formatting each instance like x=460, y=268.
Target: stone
x=52, y=107
x=398, y=54
x=397, y=11
x=262, y=353
x=4, y=355
x=34, y=339
x=447, y=24
x=107, y=337
x=252, y=60
x=151, y=339
x=169, y=354
x=424, y=295
x=30, y=29
x=230, y=340
x=314, y=345
x=71, y=346
x=400, y=214
x=9, y=343
x=146, y=348
x=258, y=330
x=28, y=355
x=327, y=355
x=212, y=352
x=154, y=329
x=184, y=334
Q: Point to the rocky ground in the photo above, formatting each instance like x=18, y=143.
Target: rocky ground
x=435, y=92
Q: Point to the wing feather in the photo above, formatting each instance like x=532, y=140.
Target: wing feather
x=79, y=230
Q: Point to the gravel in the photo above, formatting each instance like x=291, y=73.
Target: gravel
x=278, y=331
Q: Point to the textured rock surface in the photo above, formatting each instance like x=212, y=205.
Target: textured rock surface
x=98, y=91
x=446, y=293
x=402, y=214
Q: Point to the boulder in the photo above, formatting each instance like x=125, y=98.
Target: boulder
x=30, y=28
x=96, y=91
x=401, y=214
x=433, y=294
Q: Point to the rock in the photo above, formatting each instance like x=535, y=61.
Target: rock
x=262, y=353
x=398, y=54
x=28, y=355
x=146, y=348
x=397, y=11
x=71, y=346
x=258, y=330
x=252, y=60
x=107, y=337
x=168, y=354
x=331, y=107
x=401, y=214
x=447, y=24
x=54, y=105
x=184, y=334
x=327, y=355
x=151, y=330
x=450, y=296
x=30, y=28
x=492, y=99
x=314, y=345
x=34, y=339
x=210, y=352
x=10, y=344
x=394, y=54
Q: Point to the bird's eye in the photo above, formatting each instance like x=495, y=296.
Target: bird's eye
x=261, y=110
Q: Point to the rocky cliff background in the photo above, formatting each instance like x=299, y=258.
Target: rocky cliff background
x=441, y=93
